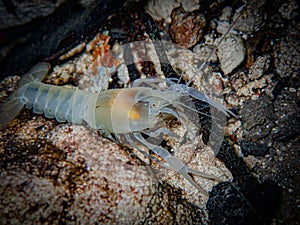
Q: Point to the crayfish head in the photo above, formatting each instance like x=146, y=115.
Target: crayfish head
x=129, y=111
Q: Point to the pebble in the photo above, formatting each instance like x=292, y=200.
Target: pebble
x=260, y=65
x=187, y=27
x=161, y=9
x=231, y=53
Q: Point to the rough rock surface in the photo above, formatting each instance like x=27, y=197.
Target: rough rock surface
x=231, y=53
x=186, y=28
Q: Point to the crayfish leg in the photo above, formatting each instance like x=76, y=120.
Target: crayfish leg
x=176, y=164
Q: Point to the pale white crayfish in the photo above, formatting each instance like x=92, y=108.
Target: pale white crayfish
x=137, y=113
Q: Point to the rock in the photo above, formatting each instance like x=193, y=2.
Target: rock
x=14, y=13
x=231, y=53
x=253, y=148
x=260, y=66
x=289, y=45
x=81, y=178
x=187, y=27
x=161, y=9
x=251, y=17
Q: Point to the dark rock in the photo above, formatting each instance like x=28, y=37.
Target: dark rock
x=227, y=205
x=252, y=197
x=253, y=148
x=45, y=39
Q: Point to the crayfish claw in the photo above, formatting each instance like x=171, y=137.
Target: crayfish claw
x=185, y=172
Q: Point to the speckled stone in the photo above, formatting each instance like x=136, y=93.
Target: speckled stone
x=287, y=53
x=186, y=28
x=231, y=53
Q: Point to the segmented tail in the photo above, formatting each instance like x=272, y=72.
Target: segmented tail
x=11, y=108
